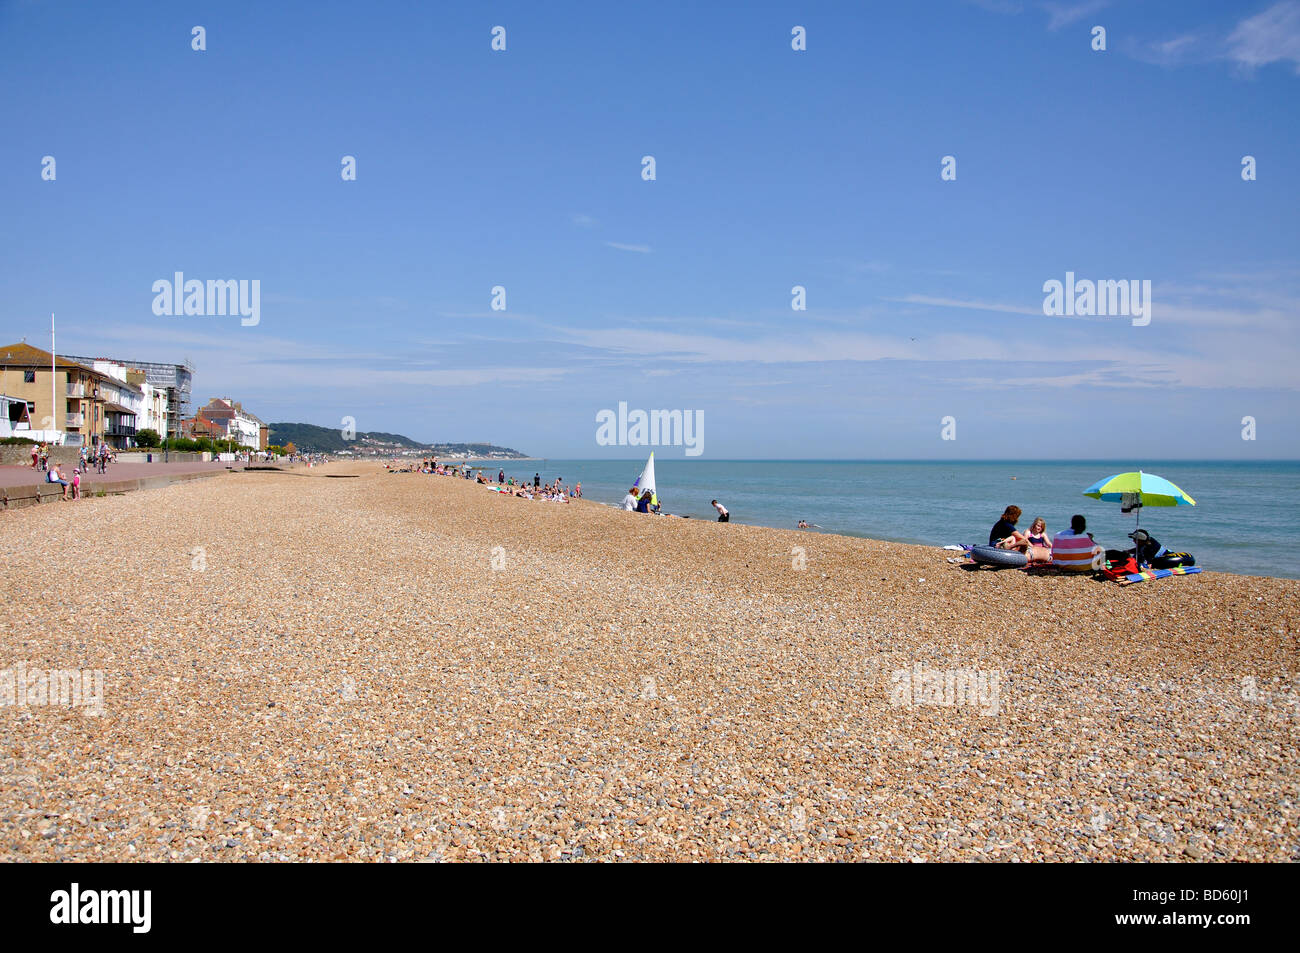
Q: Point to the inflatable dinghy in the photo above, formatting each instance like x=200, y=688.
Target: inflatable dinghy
x=992, y=556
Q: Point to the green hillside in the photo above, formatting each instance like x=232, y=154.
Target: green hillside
x=314, y=439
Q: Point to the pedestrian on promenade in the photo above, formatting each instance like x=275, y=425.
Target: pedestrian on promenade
x=36, y=454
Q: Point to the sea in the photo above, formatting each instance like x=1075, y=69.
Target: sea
x=1246, y=518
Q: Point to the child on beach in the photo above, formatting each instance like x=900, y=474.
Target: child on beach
x=1040, y=544
x=76, y=483
x=723, y=515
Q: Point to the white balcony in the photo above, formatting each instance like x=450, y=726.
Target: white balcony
x=76, y=390
x=75, y=420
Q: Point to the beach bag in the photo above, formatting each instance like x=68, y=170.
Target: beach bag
x=1121, y=570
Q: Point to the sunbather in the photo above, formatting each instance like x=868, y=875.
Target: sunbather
x=1073, y=549
x=1040, y=543
x=1004, y=534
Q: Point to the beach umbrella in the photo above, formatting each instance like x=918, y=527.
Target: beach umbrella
x=1135, y=489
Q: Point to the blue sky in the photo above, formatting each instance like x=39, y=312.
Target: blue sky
x=775, y=168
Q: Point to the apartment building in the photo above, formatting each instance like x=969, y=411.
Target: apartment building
x=234, y=422
x=65, y=400
x=173, y=381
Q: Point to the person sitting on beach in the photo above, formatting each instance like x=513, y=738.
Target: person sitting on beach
x=643, y=504
x=1073, y=549
x=629, y=501
x=1004, y=534
x=53, y=476
x=1040, y=544
x=1148, y=553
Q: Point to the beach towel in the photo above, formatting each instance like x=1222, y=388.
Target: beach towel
x=1146, y=574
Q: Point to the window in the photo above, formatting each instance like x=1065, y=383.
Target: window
x=31, y=407
x=29, y=377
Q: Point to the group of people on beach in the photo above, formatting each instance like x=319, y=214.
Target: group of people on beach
x=554, y=491
x=1074, y=549
x=642, y=501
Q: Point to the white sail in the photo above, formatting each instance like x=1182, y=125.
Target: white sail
x=646, y=481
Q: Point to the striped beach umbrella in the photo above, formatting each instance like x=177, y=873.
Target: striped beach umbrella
x=1135, y=490
x=1145, y=488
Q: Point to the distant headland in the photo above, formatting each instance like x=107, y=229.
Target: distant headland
x=314, y=439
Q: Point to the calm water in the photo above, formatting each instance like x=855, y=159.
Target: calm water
x=1247, y=517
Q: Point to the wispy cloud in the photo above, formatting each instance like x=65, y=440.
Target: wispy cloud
x=968, y=305
x=1272, y=36
x=1063, y=14
x=1185, y=48
x=582, y=220
x=262, y=364
x=621, y=246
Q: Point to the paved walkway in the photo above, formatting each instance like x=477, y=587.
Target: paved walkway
x=26, y=476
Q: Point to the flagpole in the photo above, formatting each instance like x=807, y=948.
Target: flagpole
x=54, y=409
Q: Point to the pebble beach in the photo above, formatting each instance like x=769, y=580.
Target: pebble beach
x=339, y=663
